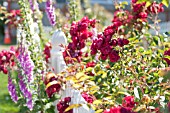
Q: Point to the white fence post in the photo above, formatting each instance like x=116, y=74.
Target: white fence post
x=58, y=64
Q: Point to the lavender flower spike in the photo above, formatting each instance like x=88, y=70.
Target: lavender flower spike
x=12, y=90
x=50, y=10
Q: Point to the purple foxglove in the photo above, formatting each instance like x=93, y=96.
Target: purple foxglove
x=33, y=4
x=27, y=94
x=26, y=63
x=50, y=11
x=12, y=90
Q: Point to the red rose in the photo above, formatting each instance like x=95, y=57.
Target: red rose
x=103, y=56
x=128, y=102
x=113, y=42
x=143, y=15
x=90, y=64
x=88, y=98
x=106, y=49
x=114, y=56
x=52, y=88
x=99, y=43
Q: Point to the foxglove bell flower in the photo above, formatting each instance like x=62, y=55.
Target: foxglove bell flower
x=50, y=10
x=33, y=4
x=26, y=63
x=12, y=90
x=27, y=94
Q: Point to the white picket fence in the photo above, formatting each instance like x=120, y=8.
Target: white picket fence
x=57, y=62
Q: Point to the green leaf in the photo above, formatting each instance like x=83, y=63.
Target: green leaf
x=165, y=2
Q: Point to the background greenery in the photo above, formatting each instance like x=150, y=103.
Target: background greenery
x=6, y=104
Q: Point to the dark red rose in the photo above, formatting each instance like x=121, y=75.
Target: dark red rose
x=99, y=43
x=143, y=15
x=88, y=98
x=120, y=42
x=156, y=8
x=113, y=42
x=93, y=51
x=108, y=38
x=118, y=109
x=167, y=53
x=67, y=99
x=106, y=49
x=103, y=56
x=128, y=102
x=83, y=26
x=90, y=64
x=125, y=41
x=52, y=89
x=114, y=56
x=63, y=104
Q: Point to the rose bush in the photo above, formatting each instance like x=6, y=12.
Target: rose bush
x=123, y=69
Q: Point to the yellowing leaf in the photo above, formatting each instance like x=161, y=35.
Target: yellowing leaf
x=89, y=69
x=165, y=2
x=93, y=92
x=148, y=3
x=94, y=88
x=51, y=83
x=104, y=75
x=97, y=102
x=140, y=108
x=71, y=78
x=79, y=75
x=77, y=86
x=124, y=93
x=99, y=111
x=85, y=77
x=72, y=106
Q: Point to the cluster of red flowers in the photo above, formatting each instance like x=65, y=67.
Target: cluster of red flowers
x=156, y=8
x=52, y=84
x=127, y=105
x=63, y=105
x=14, y=20
x=167, y=53
x=104, y=42
x=140, y=10
x=47, y=52
x=118, y=109
x=6, y=59
x=88, y=98
x=79, y=34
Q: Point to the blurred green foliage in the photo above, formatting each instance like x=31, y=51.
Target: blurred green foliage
x=6, y=104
